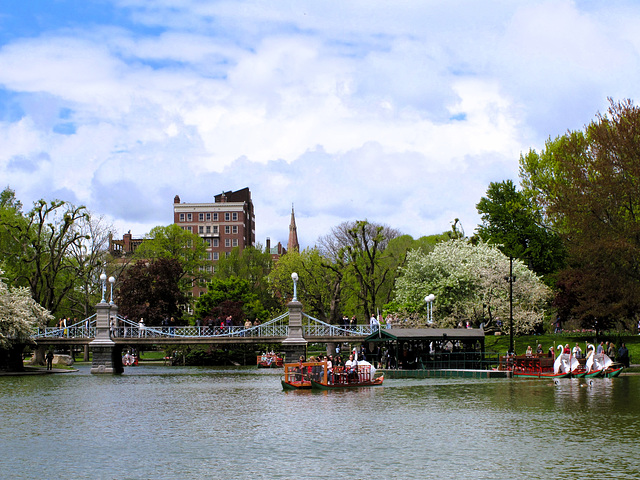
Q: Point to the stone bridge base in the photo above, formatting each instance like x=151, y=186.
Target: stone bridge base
x=107, y=359
x=293, y=351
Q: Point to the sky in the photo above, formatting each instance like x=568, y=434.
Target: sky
x=398, y=112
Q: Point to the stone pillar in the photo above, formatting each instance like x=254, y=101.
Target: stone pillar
x=86, y=353
x=294, y=345
x=102, y=347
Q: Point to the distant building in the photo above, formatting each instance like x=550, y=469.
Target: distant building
x=293, y=244
x=227, y=223
x=276, y=252
x=124, y=247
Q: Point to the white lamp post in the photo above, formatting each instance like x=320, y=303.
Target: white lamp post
x=112, y=280
x=429, y=299
x=103, y=280
x=294, y=277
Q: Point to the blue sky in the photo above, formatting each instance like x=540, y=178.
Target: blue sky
x=397, y=112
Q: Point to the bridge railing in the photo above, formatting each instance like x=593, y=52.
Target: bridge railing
x=83, y=329
x=317, y=328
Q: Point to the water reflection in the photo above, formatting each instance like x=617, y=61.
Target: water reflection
x=161, y=422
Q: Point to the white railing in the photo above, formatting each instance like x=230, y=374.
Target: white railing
x=83, y=329
x=317, y=328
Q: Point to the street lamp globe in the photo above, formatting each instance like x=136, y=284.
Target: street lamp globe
x=294, y=277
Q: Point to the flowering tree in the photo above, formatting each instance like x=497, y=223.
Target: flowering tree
x=470, y=283
x=19, y=314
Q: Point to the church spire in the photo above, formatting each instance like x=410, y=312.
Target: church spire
x=293, y=234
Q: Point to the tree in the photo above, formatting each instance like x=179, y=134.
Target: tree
x=42, y=242
x=253, y=265
x=230, y=296
x=319, y=284
x=19, y=315
x=510, y=221
x=469, y=283
x=586, y=184
x=357, y=249
x=150, y=290
x=174, y=243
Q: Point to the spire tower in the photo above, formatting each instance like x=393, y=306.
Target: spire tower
x=293, y=234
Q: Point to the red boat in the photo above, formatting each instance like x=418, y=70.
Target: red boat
x=270, y=360
x=532, y=366
x=297, y=376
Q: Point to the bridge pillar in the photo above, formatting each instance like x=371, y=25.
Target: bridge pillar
x=294, y=345
x=105, y=354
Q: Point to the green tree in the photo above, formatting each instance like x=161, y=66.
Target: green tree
x=469, y=284
x=230, y=296
x=586, y=184
x=510, y=221
x=357, y=248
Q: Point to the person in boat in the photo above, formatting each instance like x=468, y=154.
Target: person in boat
x=539, y=350
x=577, y=351
x=529, y=352
x=330, y=369
x=600, y=348
x=567, y=350
x=550, y=352
x=351, y=366
x=300, y=370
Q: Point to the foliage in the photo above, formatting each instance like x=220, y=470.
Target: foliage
x=151, y=291
x=357, y=250
x=174, y=243
x=47, y=250
x=470, y=284
x=231, y=296
x=586, y=185
x=319, y=285
x=253, y=265
x=19, y=315
x=510, y=221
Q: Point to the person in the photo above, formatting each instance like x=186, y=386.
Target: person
x=623, y=356
x=112, y=327
x=49, y=358
x=172, y=325
x=529, y=352
x=600, y=348
x=566, y=349
x=300, y=372
x=550, y=353
x=374, y=323
x=389, y=322
x=539, y=349
x=141, y=332
x=611, y=351
x=351, y=367
x=247, y=325
x=330, y=369
x=577, y=351
x=353, y=323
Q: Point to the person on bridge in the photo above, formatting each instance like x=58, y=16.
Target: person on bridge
x=141, y=329
x=374, y=323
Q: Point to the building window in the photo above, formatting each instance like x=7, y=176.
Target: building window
x=227, y=254
x=227, y=242
x=227, y=217
x=208, y=229
x=235, y=242
x=188, y=217
x=227, y=229
x=216, y=255
x=207, y=241
x=201, y=217
x=215, y=230
x=216, y=242
x=234, y=215
x=207, y=255
x=234, y=229
x=189, y=229
x=200, y=229
x=215, y=217
x=208, y=217
x=182, y=217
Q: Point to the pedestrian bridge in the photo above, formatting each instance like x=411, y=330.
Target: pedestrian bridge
x=128, y=332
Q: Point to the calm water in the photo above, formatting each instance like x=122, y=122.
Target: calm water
x=181, y=423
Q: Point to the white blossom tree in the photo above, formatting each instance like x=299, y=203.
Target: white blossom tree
x=19, y=315
x=470, y=283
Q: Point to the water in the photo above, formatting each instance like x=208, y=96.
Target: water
x=192, y=423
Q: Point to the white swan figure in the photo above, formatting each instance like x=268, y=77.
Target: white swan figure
x=589, y=363
x=561, y=365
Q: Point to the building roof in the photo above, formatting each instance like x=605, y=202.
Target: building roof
x=426, y=334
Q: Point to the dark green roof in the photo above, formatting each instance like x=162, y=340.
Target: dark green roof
x=426, y=334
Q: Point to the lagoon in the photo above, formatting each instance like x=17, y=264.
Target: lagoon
x=193, y=422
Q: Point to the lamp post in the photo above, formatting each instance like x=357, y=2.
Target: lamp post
x=103, y=280
x=112, y=280
x=294, y=277
x=429, y=299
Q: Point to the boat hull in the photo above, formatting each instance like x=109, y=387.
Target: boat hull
x=594, y=374
x=340, y=386
x=295, y=385
x=613, y=372
x=541, y=375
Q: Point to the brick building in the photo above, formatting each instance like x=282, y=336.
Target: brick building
x=227, y=223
